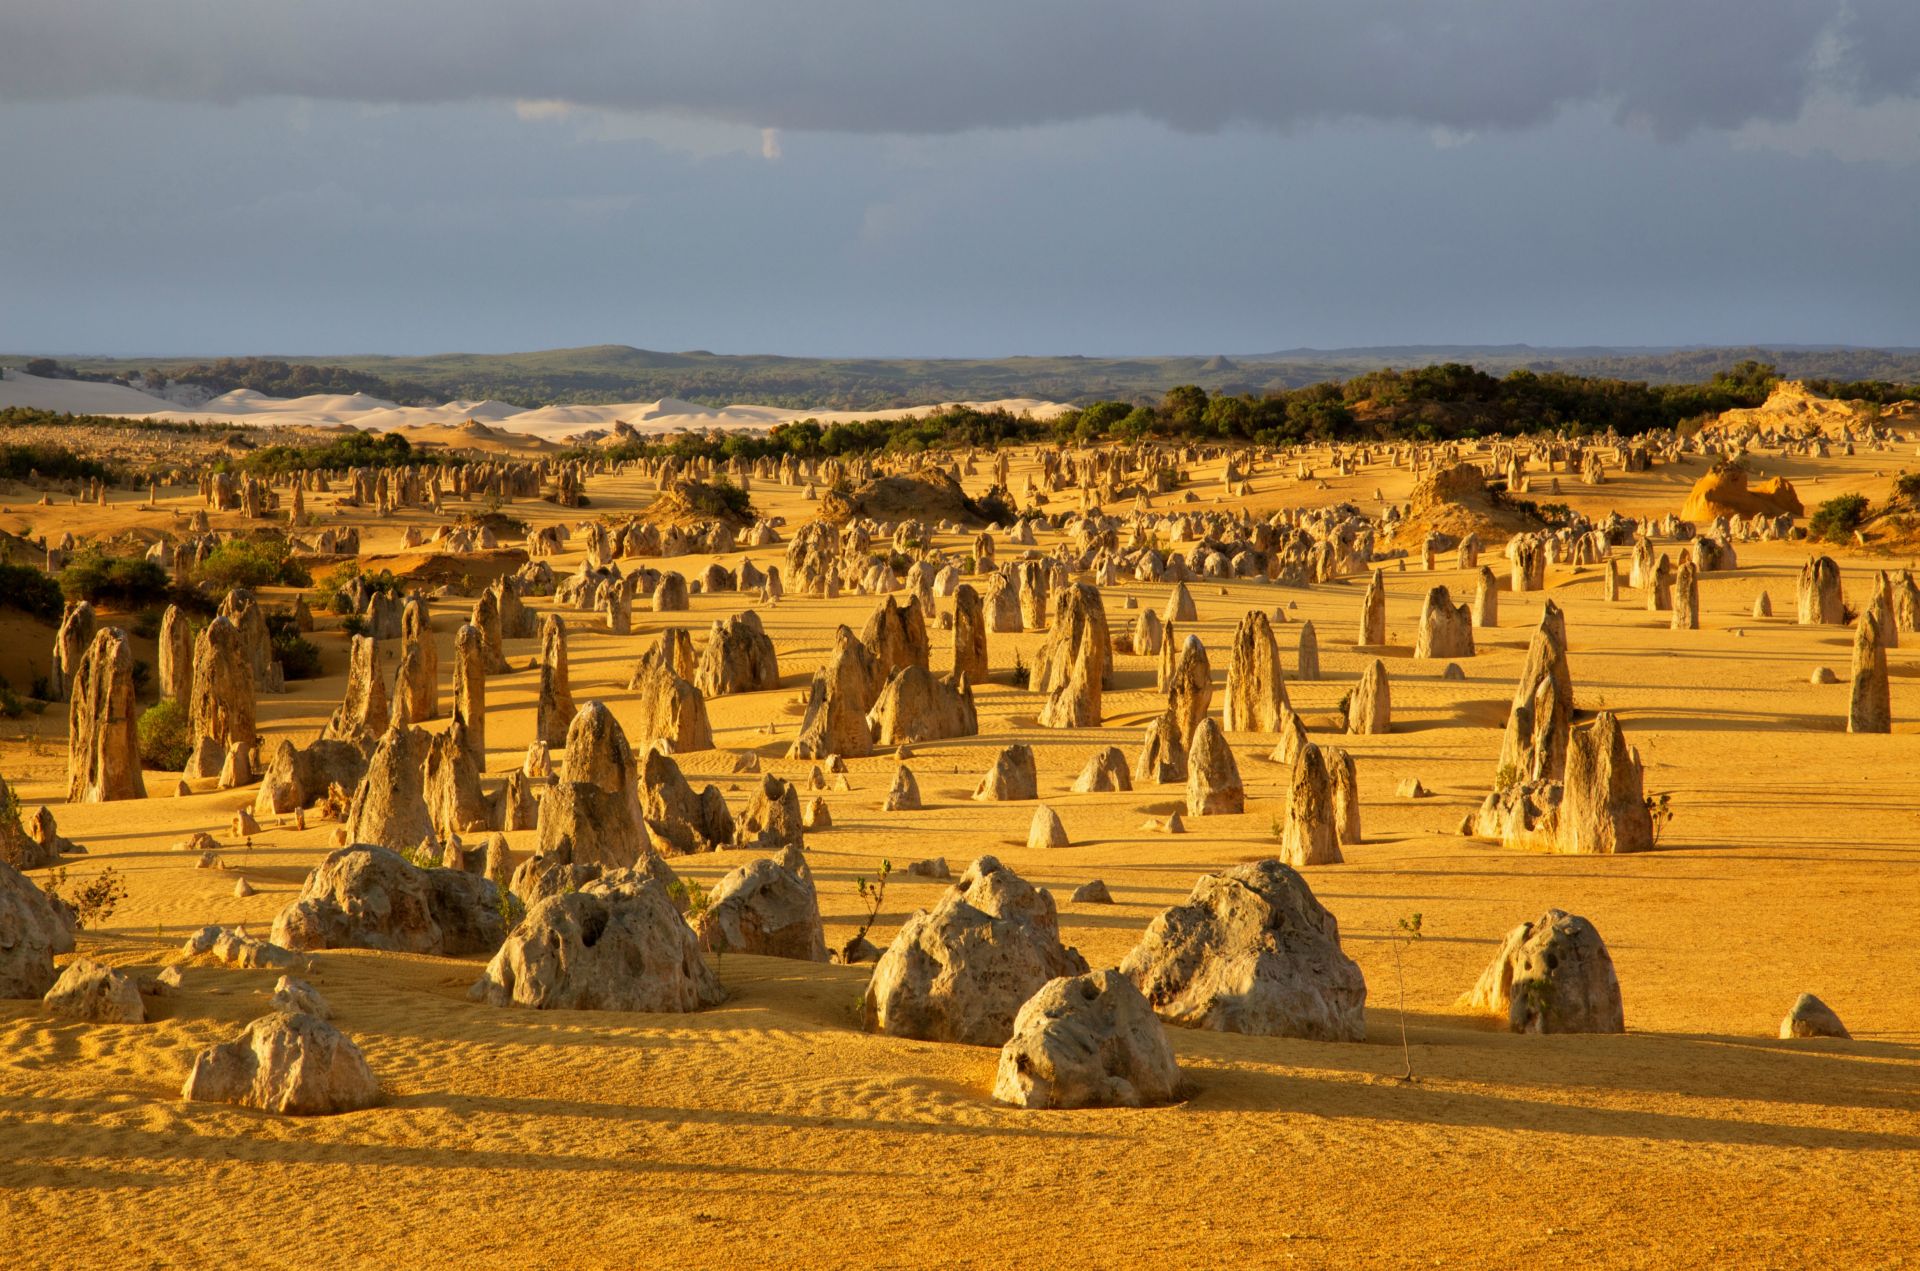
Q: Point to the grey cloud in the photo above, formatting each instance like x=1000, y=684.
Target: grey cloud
x=916, y=67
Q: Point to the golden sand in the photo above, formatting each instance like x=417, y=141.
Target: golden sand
x=771, y=1131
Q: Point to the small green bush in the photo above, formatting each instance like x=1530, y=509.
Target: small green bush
x=299, y=656
x=123, y=580
x=253, y=563
x=164, y=742
x=32, y=591
x=1837, y=518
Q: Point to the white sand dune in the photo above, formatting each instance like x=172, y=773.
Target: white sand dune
x=365, y=412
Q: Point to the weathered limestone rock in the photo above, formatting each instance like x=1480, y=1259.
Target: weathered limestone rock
x=1163, y=753
x=1190, y=687
x=294, y=996
x=1213, y=775
x=1148, y=634
x=591, y=816
x=1346, y=795
x=364, y=897
x=1307, y=665
x=671, y=710
x=1686, y=597
x=1106, y=772
x=1012, y=776
x=221, y=705
x=1486, y=599
x=1180, y=606
x=838, y=700
x=960, y=972
x=616, y=944
x=1251, y=951
x=95, y=993
x=766, y=907
x=1870, y=701
x=103, y=742
x=364, y=715
x=293, y=1065
x=773, y=820
x=1310, y=835
x=1083, y=1042
x=917, y=707
x=70, y=644
x=596, y=751
x=896, y=636
x=1818, y=593
x=1552, y=975
x=1075, y=661
x=1534, y=746
x=1293, y=737
x=1370, y=708
x=969, y=634
x=672, y=648
x=298, y=777
x=1811, y=1017
x=1373, y=613
x=739, y=658
x=1446, y=629
x=231, y=949
x=451, y=787
x=1604, y=810
x=389, y=808
x=670, y=594
x=676, y=819
x=417, y=689
x=1045, y=830
x=470, y=688
x=175, y=650
x=1256, y=689
x=554, y=709
x=904, y=794
x=1763, y=606
x=486, y=621
x=1093, y=892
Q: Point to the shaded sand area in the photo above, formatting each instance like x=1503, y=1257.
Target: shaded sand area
x=772, y=1131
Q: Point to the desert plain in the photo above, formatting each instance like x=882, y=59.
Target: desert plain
x=777, y=1129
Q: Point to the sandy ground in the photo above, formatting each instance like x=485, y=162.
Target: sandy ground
x=771, y=1131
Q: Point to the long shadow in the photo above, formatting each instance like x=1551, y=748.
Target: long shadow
x=1426, y=1104
x=631, y=1113
x=186, y=1145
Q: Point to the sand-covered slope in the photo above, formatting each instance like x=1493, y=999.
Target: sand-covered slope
x=358, y=410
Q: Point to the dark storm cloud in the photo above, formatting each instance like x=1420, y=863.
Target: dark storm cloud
x=909, y=66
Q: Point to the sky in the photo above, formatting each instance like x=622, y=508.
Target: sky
x=899, y=178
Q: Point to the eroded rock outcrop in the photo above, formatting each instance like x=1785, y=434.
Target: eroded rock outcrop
x=293, y=1065
x=103, y=742
x=766, y=907
x=1251, y=951
x=365, y=897
x=1552, y=975
x=961, y=971
x=1086, y=1041
x=617, y=944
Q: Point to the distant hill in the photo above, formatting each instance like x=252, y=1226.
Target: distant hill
x=606, y=373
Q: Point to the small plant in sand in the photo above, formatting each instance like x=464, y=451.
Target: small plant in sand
x=1660, y=811
x=92, y=901
x=1406, y=932
x=1507, y=776
x=420, y=855
x=1021, y=675
x=871, y=895
x=691, y=895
